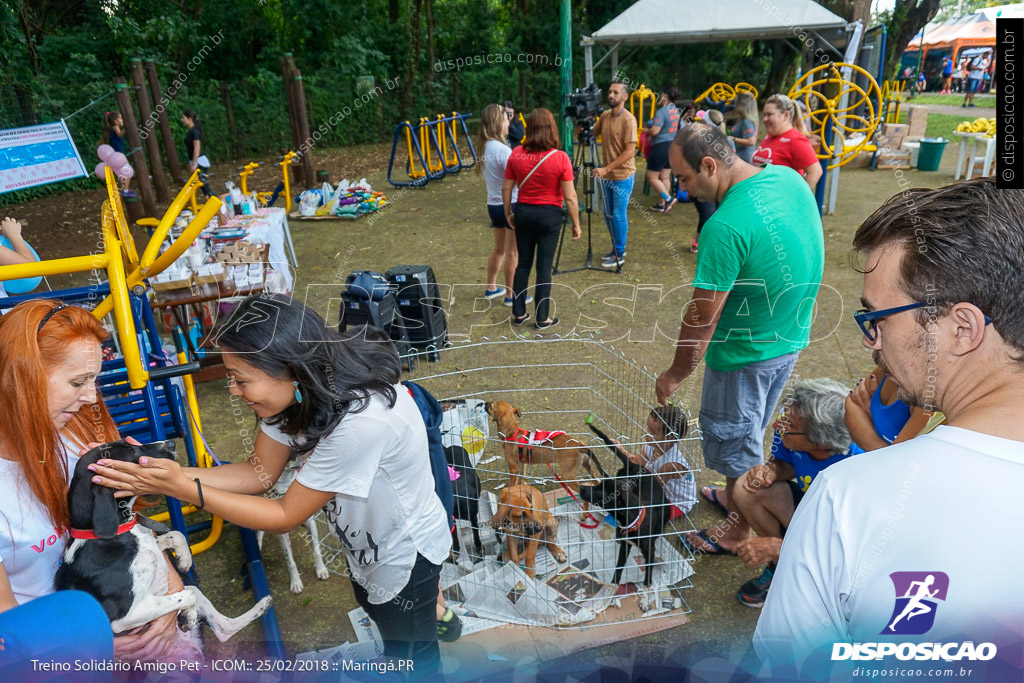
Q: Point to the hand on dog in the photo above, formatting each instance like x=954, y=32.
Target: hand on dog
x=150, y=476
x=158, y=640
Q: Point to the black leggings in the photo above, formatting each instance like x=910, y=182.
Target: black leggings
x=537, y=227
x=408, y=623
x=705, y=210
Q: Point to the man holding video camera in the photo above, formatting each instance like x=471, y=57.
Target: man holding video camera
x=618, y=131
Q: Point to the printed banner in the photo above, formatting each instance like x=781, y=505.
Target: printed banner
x=37, y=155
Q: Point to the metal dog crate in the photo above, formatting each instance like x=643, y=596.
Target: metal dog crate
x=556, y=383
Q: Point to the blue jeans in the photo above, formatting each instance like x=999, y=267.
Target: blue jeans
x=615, y=196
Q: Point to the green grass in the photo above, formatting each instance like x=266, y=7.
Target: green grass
x=983, y=99
x=940, y=125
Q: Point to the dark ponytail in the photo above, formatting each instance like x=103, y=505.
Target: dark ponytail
x=188, y=113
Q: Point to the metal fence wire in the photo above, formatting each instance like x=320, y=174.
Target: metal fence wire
x=565, y=574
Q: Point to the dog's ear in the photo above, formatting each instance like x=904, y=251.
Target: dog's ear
x=518, y=413
x=501, y=516
x=104, y=512
x=487, y=407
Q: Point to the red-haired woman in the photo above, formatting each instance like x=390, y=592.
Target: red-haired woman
x=543, y=174
x=50, y=355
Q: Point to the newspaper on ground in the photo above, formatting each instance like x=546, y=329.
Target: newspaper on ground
x=565, y=594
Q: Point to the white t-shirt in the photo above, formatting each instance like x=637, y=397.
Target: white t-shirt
x=386, y=510
x=681, y=491
x=495, y=159
x=30, y=545
x=948, y=503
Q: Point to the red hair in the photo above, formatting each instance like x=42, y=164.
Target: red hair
x=25, y=423
x=541, y=131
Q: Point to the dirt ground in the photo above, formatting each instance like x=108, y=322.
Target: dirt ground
x=444, y=225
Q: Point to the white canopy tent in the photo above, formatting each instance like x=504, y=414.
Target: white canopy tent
x=650, y=22
x=671, y=22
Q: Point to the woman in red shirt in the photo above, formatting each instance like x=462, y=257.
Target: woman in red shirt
x=544, y=176
x=786, y=145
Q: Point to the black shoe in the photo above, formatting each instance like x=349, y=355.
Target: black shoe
x=519, y=321
x=450, y=630
x=660, y=208
x=544, y=326
x=754, y=592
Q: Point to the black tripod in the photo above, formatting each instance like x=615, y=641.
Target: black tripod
x=583, y=167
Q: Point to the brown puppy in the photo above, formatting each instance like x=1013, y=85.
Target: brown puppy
x=561, y=450
x=523, y=515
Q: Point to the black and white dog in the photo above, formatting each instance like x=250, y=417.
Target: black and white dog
x=466, y=489
x=291, y=468
x=122, y=565
x=637, y=500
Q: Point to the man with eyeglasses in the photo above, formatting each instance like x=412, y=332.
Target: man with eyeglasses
x=944, y=310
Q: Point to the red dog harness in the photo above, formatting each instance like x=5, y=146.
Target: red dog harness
x=527, y=440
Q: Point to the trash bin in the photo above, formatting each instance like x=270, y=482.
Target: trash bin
x=931, y=153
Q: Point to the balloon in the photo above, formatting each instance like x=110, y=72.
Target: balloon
x=24, y=285
x=100, y=173
x=126, y=172
x=104, y=151
x=117, y=160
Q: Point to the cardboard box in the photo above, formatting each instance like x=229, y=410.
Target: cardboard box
x=917, y=121
x=893, y=130
x=893, y=143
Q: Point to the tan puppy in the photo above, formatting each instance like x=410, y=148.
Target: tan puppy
x=562, y=450
x=523, y=515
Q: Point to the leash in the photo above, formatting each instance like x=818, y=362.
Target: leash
x=573, y=495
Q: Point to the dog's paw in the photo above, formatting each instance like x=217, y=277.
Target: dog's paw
x=262, y=606
x=322, y=573
x=296, y=586
x=560, y=555
x=647, y=600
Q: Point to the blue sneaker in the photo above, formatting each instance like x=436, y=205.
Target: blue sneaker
x=754, y=592
x=494, y=293
x=509, y=300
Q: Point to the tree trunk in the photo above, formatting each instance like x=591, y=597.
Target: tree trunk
x=411, y=61
x=908, y=16
x=783, y=70
x=237, y=143
x=429, y=6
x=393, y=10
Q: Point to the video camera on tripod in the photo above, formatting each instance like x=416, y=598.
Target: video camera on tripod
x=584, y=104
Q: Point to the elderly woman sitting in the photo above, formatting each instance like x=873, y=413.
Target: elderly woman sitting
x=810, y=435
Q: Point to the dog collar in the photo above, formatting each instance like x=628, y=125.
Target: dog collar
x=89, y=534
x=637, y=522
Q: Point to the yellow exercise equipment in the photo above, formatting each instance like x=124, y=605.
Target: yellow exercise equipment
x=637, y=99
x=826, y=113
x=723, y=93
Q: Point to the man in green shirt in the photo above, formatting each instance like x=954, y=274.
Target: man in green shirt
x=758, y=273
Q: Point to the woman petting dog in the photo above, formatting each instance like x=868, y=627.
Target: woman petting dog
x=362, y=444
x=50, y=355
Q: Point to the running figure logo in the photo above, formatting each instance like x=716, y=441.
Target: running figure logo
x=916, y=596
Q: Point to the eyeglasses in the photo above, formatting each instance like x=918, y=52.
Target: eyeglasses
x=783, y=421
x=868, y=320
